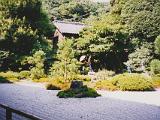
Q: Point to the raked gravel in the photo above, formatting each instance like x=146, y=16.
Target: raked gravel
x=46, y=105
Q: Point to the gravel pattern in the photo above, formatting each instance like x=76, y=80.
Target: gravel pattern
x=46, y=105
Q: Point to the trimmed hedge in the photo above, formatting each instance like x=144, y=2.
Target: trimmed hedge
x=105, y=85
x=156, y=81
x=132, y=82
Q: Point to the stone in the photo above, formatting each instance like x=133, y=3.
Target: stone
x=76, y=84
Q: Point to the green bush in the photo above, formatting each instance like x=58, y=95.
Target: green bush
x=156, y=81
x=104, y=74
x=50, y=86
x=132, y=82
x=155, y=66
x=78, y=93
x=3, y=80
x=57, y=82
x=105, y=85
x=42, y=80
x=24, y=74
x=80, y=77
x=10, y=76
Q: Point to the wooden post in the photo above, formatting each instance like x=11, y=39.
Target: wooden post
x=8, y=114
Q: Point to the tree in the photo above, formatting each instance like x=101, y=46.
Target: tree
x=142, y=18
x=157, y=44
x=74, y=10
x=105, y=40
x=25, y=28
x=155, y=66
x=36, y=63
x=66, y=65
x=140, y=58
x=31, y=10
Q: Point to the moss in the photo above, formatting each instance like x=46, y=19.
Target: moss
x=78, y=93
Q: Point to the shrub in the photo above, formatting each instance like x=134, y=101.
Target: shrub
x=104, y=74
x=50, y=86
x=24, y=74
x=105, y=85
x=156, y=81
x=13, y=79
x=141, y=56
x=132, y=82
x=57, y=82
x=155, y=66
x=80, y=77
x=10, y=76
x=78, y=93
x=3, y=80
x=42, y=80
x=157, y=44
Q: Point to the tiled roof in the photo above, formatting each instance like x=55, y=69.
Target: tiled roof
x=69, y=27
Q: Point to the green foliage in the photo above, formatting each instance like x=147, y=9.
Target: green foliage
x=78, y=93
x=25, y=29
x=38, y=60
x=156, y=81
x=42, y=80
x=79, y=77
x=105, y=41
x=140, y=57
x=104, y=74
x=24, y=74
x=132, y=82
x=4, y=59
x=155, y=66
x=3, y=80
x=66, y=65
x=31, y=10
x=57, y=83
x=157, y=44
x=9, y=76
x=105, y=85
x=36, y=63
x=52, y=87
x=142, y=18
x=17, y=37
x=74, y=10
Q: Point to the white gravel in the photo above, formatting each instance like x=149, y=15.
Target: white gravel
x=151, y=98
x=46, y=105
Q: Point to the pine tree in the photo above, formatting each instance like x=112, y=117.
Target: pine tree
x=66, y=65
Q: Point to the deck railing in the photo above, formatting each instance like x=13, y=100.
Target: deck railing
x=10, y=111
